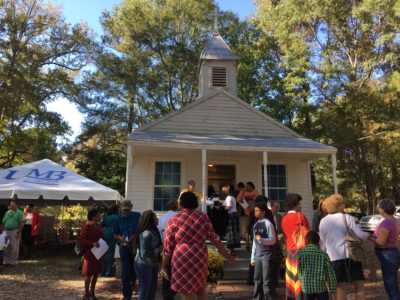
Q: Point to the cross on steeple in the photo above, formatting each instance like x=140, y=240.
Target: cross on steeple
x=215, y=15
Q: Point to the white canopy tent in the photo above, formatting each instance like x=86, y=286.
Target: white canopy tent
x=49, y=181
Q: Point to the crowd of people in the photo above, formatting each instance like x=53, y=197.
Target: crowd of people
x=172, y=250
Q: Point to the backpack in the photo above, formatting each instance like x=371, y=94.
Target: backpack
x=299, y=235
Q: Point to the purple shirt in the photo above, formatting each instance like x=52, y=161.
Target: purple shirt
x=394, y=229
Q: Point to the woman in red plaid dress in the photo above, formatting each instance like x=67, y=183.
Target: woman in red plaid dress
x=185, y=240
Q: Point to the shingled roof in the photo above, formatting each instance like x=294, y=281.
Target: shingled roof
x=217, y=49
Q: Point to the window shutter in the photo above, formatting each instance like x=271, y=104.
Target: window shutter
x=218, y=76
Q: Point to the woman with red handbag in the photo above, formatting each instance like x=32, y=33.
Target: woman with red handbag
x=295, y=227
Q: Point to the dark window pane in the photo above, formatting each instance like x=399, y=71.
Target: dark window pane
x=159, y=179
x=281, y=170
x=167, y=179
x=157, y=204
x=269, y=181
x=282, y=181
x=157, y=192
x=165, y=192
x=176, y=167
x=176, y=179
x=175, y=193
x=159, y=167
x=273, y=193
x=273, y=170
x=282, y=195
x=274, y=181
x=167, y=167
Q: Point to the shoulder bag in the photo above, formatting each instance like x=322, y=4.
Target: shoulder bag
x=353, y=243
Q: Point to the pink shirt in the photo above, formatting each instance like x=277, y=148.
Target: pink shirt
x=394, y=229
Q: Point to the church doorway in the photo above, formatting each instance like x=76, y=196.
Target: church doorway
x=221, y=174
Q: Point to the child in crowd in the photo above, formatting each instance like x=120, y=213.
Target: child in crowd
x=263, y=253
x=315, y=270
x=3, y=244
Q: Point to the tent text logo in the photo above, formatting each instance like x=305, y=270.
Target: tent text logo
x=34, y=176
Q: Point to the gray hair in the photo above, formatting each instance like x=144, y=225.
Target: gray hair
x=388, y=206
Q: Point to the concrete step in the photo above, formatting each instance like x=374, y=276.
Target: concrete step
x=239, y=262
x=238, y=272
x=235, y=273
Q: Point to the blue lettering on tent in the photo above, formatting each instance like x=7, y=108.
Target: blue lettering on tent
x=10, y=175
x=50, y=175
x=35, y=174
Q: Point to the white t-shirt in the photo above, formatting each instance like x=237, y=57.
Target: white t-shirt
x=163, y=222
x=230, y=201
x=3, y=240
x=332, y=231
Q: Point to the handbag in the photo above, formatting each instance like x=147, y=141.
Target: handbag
x=353, y=243
x=299, y=234
x=79, y=249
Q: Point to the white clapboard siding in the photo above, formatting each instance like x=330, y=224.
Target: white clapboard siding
x=141, y=185
x=299, y=183
x=220, y=114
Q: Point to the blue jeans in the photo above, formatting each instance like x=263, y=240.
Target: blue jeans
x=263, y=287
x=390, y=263
x=128, y=274
x=148, y=278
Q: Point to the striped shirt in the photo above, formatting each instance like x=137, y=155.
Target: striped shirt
x=315, y=271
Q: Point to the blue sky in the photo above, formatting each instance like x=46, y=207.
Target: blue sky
x=90, y=11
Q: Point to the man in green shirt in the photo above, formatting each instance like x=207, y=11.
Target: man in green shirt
x=13, y=222
x=315, y=270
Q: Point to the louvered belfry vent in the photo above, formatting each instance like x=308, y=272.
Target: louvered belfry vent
x=218, y=76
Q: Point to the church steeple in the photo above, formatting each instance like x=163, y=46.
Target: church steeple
x=217, y=66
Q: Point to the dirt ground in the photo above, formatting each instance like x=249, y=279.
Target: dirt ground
x=56, y=276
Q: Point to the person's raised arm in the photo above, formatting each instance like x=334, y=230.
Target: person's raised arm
x=361, y=234
x=381, y=239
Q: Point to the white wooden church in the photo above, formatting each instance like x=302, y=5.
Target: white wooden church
x=219, y=138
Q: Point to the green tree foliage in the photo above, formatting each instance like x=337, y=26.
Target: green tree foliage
x=40, y=57
x=339, y=60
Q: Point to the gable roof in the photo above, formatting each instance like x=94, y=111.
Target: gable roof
x=220, y=113
x=225, y=122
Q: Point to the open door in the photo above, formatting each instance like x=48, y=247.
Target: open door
x=221, y=174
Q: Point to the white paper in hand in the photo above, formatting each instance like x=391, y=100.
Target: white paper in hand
x=244, y=204
x=100, y=251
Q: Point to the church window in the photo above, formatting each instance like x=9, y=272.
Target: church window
x=167, y=183
x=277, y=183
x=218, y=76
